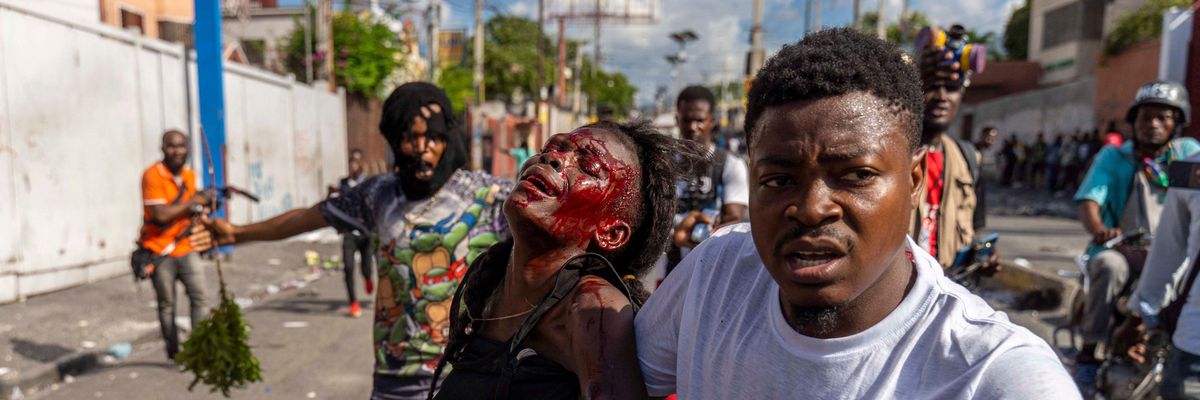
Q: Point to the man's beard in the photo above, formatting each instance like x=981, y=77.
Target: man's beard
x=815, y=321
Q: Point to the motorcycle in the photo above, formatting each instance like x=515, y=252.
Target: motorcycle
x=1084, y=281
x=1118, y=377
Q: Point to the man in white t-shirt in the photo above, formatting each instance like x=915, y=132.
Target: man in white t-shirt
x=719, y=195
x=827, y=297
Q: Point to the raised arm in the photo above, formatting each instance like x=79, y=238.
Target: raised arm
x=283, y=226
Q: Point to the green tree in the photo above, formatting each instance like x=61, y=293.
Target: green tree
x=914, y=21
x=365, y=53
x=1016, y=33
x=510, y=68
x=510, y=57
x=458, y=82
x=1140, y=25
x=612, y=89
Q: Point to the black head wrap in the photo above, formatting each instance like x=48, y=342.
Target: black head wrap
x=398, y=112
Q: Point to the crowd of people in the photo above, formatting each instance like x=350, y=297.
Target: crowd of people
x=856, y=198
x=1056, y=166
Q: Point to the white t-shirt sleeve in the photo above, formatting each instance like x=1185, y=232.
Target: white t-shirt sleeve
x=1026, y=372
x=736, y=179
x=657, y=327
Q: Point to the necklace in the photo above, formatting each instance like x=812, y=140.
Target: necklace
x=408, y=216
x=472, y=318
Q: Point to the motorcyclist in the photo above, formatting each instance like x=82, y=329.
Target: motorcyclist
x=1124, y=191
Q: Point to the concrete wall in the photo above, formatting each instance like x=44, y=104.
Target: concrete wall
x=1118, y=79
x=81, y=11
x=82, y=108
x=1054, y=110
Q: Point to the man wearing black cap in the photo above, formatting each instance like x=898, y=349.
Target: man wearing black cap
x=430, y=220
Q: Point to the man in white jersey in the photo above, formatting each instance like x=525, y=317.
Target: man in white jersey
x=826, y=297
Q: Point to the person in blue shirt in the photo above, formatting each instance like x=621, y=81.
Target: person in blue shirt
x=1123, y=192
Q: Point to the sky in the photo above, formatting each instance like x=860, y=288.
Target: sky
x=723, y=27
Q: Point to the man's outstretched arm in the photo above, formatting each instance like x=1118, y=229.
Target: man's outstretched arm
x=283, y=226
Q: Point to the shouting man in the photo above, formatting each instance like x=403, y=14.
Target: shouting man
x=826, y=297
x=429, y=220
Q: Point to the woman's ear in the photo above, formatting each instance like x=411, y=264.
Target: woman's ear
x=612, y=235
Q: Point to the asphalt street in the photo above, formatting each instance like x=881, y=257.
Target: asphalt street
x=307, y=345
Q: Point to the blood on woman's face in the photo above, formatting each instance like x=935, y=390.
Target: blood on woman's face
x=582, y=187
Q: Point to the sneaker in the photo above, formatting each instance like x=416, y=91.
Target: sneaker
x=1085, y=378
x=355, y=309
x=369, y=284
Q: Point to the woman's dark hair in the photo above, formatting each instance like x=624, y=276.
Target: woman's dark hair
x=664, y=161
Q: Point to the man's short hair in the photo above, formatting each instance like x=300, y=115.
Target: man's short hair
x=835, y=62
x=697, y=93
x=170, y=132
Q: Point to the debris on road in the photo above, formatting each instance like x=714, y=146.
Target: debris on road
x=120, y=350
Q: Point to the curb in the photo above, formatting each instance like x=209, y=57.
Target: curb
x=79, y=363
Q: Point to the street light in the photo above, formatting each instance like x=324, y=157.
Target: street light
x=679, y=59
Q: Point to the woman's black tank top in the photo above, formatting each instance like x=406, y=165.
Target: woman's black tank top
x=487, y=369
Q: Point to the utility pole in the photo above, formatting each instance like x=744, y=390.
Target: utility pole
x=903, y=21
x=808, y=16
x=857, y=14
x=560, y=84
x=676, y=61
x=210, y=82
x=477, y=73
x=754, y=59
x=880, y=29
x=681, y=58
x=308, y=35
x=539, y=95
x=816, y=15
x=565, y=11
x=596, y=38
x=541, y=54
x=434, y=16
x=477, y=80
x=578, y=75
x=325, y=41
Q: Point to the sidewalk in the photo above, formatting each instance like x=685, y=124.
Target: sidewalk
x=1029, y=202
x=53, y=337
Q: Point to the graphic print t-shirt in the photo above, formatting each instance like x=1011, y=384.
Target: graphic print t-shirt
x=423, y=249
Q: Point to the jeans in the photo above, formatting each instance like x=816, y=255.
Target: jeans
x=1110, y=272
x=351, y=244
x=165, y=274
x=1181, y=379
